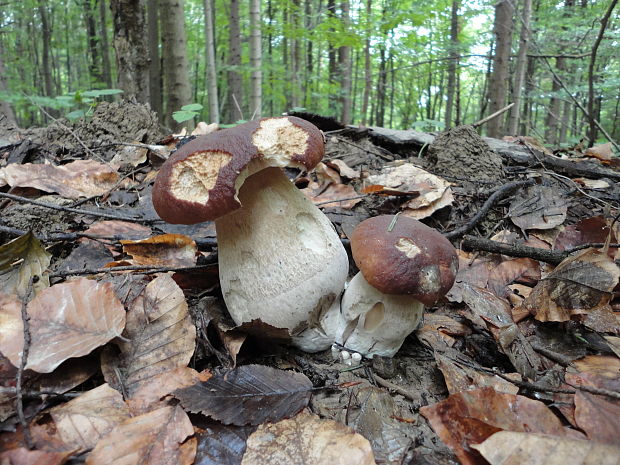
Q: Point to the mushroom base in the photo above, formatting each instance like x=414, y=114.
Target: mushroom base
x=373, y=323
x=280, y=260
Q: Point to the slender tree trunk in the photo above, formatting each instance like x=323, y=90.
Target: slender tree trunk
x=453, y=63
x=344, y=59
x=155, y=88
x=295, y=51
x=367, y=67
x=176, y=69
x=47, y=70
x=256, y=76
x=515, y=111
x=333, y=68
x=93, y=48
x=106, y=71
x=130, y=37
x=555, y=105
x=592, y=133
x=498, y=88
x=525, y=118
x=235, y=93
x=214, y=107
x=5, y=107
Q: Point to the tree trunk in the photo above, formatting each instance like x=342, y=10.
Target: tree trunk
x=498, y=88
x=515, y=111
x=525, y=118
x=367, y=67
x=344, y=61
x=155, y=90
x=555, y=106
x=176, y=71
x=91, y=29
x=130, y=37
x=453, y=63
x=331, y=54
x=235, y=89
x=5, y=107
x=214, y=108
x=106, y=72
x=256, y=77
x=47, y=69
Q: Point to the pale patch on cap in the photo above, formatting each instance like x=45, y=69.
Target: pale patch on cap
x=194, y=177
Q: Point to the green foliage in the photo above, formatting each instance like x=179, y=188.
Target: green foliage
x=187, y=112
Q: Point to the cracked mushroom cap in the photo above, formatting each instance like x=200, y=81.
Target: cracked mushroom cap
x=200, y=181
x=412, y=258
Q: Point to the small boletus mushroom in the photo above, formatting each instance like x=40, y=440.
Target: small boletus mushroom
x=403, y=265
x=280, y=258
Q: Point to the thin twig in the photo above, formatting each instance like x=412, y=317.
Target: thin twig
x=394, y=387
x=500, y=193
x=22, y=367
x=494, y=115
x=139, y=269
x=110, y=216
x=361, y=196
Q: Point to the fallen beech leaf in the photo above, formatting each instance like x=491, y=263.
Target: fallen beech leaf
x=21, y=259
x=23, y=456
x=597, y=417
x=470, y=417
x=614, y=344
x=130, y=156
x=509, y=271
x=66, y=320
x=603, y=152
x=202, y=128
x=306, y=439
x=160, y=335
x=221, y=444
x=155, y=438
x=460, y=377
x=120, y=229
x=601, y=371
x=580, y=283
x=343, y=169
x=506, y=447
x=538, y=207
x=407, y=178
x=248, y=395
x=594, y=229
x=163, y=250
x=418, y=213
x=159, y=386
x=592, y=183
x=326, y=175
x=335, y=195
x=81, y=422
x=81, y=178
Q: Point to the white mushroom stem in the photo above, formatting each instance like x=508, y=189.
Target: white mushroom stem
x=373, y=323
x=280, y=260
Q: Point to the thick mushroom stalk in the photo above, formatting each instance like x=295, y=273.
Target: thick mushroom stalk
x=280, y=259
x=404, y=265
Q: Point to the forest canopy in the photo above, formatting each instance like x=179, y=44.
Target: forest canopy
x=394, y=63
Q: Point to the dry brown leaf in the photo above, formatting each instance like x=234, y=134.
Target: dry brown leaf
x=335, y=195
x=130, y=156
x=81, y=422
x=523, y=270
x=538, y=207
x=119, y=228
x=326, y=175
x=581, y=283
x=148, y=396
x=470, y=417
x=460, y=378
x=601, y=371
x=306, y=439
x=507, y=447
x=153, y=438
x=599, y=418
x=202, y=128
x=23, y=456
x=81, y=178
x=603, y=152
x=419, y=213
x=159, y=335
x=594, y=229
x=163, y=250
x=66, y=320
x=344, y=169
x=21, y=259
x=614, y=344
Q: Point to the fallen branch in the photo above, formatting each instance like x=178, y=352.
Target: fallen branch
x=493, y=116
x=22, y=367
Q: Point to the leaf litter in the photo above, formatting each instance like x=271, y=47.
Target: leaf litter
x=474, y=368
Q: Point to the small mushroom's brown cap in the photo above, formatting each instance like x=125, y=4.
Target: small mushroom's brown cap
x=411, y=259
x=200, y=181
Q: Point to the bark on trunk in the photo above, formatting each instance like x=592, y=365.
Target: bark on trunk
x=256, y=77
x=453, y=63
x=176, y=78
x=515, y=112
x=91, y=29
x=5, y=107
x=344, y=59
x=130, y=37
x=155, y=90
x=502, y=30
x=104, y=43
x=235, y=90
x=214, y=108
x=47, y=69
x=367, y=64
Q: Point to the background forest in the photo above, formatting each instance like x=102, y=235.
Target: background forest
x=394, y=63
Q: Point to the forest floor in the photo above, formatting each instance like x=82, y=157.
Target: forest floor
x=521, y=360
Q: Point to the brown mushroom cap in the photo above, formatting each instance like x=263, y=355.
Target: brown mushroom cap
x=200, y=181
x=411, y=259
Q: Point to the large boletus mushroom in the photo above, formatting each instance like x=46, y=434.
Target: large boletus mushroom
x=280, y=259
x=404, y=265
